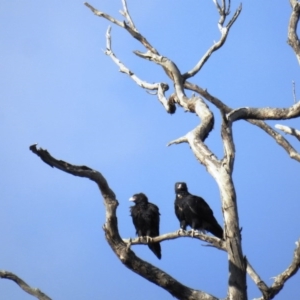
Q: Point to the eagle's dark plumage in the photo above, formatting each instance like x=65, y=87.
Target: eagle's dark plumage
x=193, y=211
x=145, y=217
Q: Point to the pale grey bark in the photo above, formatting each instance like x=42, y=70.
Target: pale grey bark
x=220, y=169
x=289, y=130
x=122, y=249
x=282, y=278
x=292, y=31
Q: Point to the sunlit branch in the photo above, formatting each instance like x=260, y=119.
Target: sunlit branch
x=278, y=138
x=197, y=136
x=261, y=124
x=293, y=39
x=129, y=27
x=121, y=249
x=193, y=104
x=229, y=149
x=213, y=241
x=160, y=88
x=224, y=33
x=180, y=140
x=289, y=130
x=23, y=285
x=104, y=15
x=175, y=75
x=281, y=279
x=265, y=113
x=126, y=14
x=205, y=94
x=257, y=280
x=294, y=92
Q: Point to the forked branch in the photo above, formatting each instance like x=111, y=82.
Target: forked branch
x=289, y=130
x=223, y=11
x=281, y=279
x=160, y=87
x=124, y=253
x=128, y=26
x=261, y=124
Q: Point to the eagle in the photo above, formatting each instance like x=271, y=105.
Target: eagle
x=193, y=211
x=145, y=218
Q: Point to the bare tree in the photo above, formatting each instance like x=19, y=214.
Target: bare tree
x=221, y=169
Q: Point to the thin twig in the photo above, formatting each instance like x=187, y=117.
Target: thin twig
x=289, y=130
x=294, y=92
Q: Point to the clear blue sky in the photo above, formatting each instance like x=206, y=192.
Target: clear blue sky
x=59, y=90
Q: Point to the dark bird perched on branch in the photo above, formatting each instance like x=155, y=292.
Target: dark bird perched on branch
x=145, y=217
x=193, y=211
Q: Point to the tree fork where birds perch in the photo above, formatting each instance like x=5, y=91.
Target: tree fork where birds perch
x=237, y=279
x=126, y=255
x=221, y=169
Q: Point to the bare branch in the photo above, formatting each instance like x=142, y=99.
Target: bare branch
x=129, y=27
x=229, y=149
x=161, y=88
x=180, y=140
x=278, y=138
x=123, y=252
x=104, y=15
x=291, y=270
x=24, y=286
x=126, y=14
x=226, y=109
x=294, y=92
x=205, y=94
x=258, y=281
x=289, y=130
x=266, y=113
x=224, y=33
x=293, y=39
x=213, y=241
x=282, y=278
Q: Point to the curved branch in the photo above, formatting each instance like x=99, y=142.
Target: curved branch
x=289, y=130
x=280, y=140
x=161, y=87
x=126, y=14
x=281, y=279
x=261, y=124
x=224, y=33
x=24, y=286
x=267, y=113
x=293, y=39
x=123, y=252
x=129, y=27
x=213, y=241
